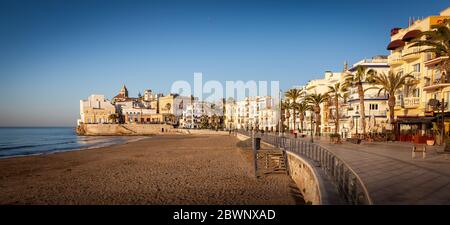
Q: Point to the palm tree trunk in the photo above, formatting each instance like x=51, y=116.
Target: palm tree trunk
x=317, y=111
x=301, y=125
x=391, y=104
x=337, y=115
x=362, y=108
x=317, y=124
x=293, y=118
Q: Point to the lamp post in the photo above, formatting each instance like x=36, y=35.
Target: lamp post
x=312, y=138
x=281, y=121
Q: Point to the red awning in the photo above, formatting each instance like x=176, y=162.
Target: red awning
x=411, y=35
x=395, y=44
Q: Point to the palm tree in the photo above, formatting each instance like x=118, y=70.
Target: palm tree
x=390, y=84
x=293, y=94
x=113, y=117
x=286, y=106
x=337, y=91
x=356, y=80
x=317, y=99
x=301, y=108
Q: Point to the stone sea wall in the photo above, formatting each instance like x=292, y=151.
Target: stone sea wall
x=123, y=129
x=305, y=177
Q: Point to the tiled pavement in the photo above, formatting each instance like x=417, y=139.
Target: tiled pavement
x=392, y=176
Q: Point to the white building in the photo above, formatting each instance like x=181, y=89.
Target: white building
x=96, y=109
x=321, y=86
x=252, y=113
x=375, y=106
x=193, y=113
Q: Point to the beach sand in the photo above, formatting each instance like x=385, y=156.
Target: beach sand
x=170, y=169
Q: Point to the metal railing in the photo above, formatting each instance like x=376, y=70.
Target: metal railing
x=348, y=183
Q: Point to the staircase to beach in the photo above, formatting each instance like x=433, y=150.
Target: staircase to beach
x=274, y=161
x=128, y=129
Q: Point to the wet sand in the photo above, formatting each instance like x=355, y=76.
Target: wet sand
x=172, y=169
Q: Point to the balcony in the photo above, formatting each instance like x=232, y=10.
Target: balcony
x=355, y=97
x=408, y=102
x=431, y=60
x=436, y=84
x=411, y=54
x=377, y=113
x=395, y=59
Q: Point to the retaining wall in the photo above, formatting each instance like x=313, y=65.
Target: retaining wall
x=123, y=129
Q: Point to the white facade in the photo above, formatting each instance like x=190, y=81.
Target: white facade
x=376, y=108
x=192, y=114
x=134, y=111
x=252, y=113
x=96, y=109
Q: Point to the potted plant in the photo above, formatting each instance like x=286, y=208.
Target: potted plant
x=430, y=140
x=335, y=138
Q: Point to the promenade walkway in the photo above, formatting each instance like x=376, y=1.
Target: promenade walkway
x=392, y=176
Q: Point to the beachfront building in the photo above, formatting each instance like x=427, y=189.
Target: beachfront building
x=199, y=114
x=96, y=110
x=252, y=113
x=138, y=112
x=375, y=105
x=320, y=86
x=269, y=119
x=230, y=114
x=171, y=107
x=417, y=108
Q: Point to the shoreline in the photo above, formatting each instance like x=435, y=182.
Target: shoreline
x=51, y=152
x=170, y=170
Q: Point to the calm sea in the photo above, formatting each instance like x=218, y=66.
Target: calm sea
x=31, y=141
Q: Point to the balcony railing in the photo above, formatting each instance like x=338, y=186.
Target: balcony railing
x=395, y=58
x=408, y=102
x=414, y=51
x=367, y=96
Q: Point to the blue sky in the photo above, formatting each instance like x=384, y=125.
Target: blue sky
x=54, y=53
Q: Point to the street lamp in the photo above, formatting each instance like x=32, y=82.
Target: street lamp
x=312, y=138
x=280, y=122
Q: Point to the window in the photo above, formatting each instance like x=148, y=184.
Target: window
x=416, y=92
x=416, y=67
x=373, y=106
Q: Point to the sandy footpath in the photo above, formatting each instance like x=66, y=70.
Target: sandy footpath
x=173, y=169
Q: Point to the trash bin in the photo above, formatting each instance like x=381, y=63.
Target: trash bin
x=256, y=143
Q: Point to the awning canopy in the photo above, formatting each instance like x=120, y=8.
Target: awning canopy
x=395, y=44
x=414, y=120
x=411, y=35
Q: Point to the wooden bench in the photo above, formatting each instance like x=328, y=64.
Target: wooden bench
x=420, y=149
x=354, y=140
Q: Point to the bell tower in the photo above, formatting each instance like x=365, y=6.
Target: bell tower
x=124, y=91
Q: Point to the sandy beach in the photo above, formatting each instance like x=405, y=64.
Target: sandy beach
x=171, y=169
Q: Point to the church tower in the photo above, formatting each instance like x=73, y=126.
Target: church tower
x=124, y=91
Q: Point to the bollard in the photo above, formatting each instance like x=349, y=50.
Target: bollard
x=256, y=146
x=256, y=143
